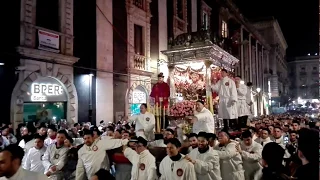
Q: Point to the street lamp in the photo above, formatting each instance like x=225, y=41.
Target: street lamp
x=258, y=90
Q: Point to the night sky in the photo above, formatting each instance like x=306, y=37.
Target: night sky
x=299, y=21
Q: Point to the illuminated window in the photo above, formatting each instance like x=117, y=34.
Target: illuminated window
x=224, y=29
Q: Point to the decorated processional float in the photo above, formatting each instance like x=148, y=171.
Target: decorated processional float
x=194, y=61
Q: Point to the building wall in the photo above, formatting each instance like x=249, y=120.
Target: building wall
x=9, y=41
x=104, y=77
x=120, y=55
x=36, y=63
x=85, y=48
x=305, y=77
x=271, y=30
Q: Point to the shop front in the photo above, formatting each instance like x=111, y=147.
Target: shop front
x=138, y=93
x=45, y=101
x=45, y=91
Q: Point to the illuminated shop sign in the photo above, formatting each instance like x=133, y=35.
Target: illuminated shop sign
x=41, y=91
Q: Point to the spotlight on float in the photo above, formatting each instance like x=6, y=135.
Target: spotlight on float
x=241, y=82
x=1, y=64
x=258, y=90
x=91, y=75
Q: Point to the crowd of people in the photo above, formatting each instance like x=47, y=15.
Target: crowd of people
x=271, y=148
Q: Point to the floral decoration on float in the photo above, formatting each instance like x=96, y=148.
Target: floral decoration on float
x=180, y=114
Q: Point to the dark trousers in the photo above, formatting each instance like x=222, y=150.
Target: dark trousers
x=243, y=121
x=230, y=123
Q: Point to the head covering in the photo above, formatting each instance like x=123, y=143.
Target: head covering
x=200, y=101
x=192, y=135
x=170, y=130
x=160, y=75
x=142, y=141
x=224, y=70
x=174, y=141
x=203, y=134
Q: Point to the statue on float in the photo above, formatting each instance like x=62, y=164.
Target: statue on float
x=161, y=92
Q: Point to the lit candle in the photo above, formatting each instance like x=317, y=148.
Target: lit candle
x=164, y=117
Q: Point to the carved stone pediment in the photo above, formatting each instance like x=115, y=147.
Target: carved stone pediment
x=46, y=55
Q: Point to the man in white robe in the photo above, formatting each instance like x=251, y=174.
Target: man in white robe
x=55, y=157
x=205, y=159
x=242, y=106
x=204, y=120
x=33, y=158
x=174, y=166
x=249, y=98
x=251, y=155
x=11, y=158
x=228, y=96
x=143, y=162
x=230, y=160
x=92, y=155
x=264, y=137
x=145, y=123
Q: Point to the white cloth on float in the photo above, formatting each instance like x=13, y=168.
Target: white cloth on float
x=205, y=122
x=227, y=92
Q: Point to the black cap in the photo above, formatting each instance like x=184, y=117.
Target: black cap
x=200, y=101
x=203, y=134
x=170, y=130
x=142, y=141
x=174, y=141
x=160, y=75
x=192, y=135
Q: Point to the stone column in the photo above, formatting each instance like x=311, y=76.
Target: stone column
x=171, y=83
x=208, y=85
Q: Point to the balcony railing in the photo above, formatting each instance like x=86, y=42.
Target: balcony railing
x=140, y=62
x=139, y=4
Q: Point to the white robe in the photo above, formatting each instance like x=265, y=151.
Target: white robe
x=249, y=100
x=207, y=164
x=263, y=142
x=176, y=170
x=49, y=141
x=230, y=162
x=93, y=158
x=23, y=174
x=33, y=160
x=146, y=122
x=227, y=94
x=143, y=164
x=55, y=157
x=251, y=156
x=205, y=122
x=242, y=105
x=157, y=143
